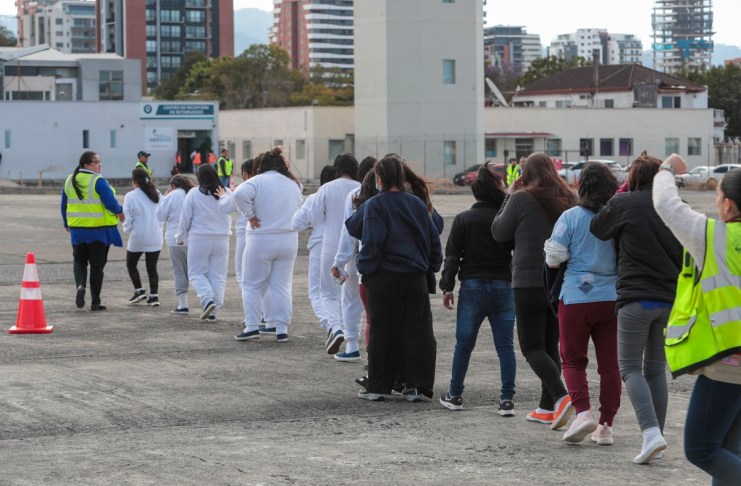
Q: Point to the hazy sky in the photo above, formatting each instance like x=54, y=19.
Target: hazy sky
x=552, y=18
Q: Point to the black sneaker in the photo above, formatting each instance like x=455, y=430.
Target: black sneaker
x=364, y=394
x=183, y=311
x=338, y=337
x=281, y=338
x=246, y=336
x=97, y=307
x=207, y=310
x=153, y=300
x=362, y=381
x=453, y=403
x=413, y=395
x=80, y=297
x=397, y=389
x=506, y=408
x=138, y=296
x=211, y=318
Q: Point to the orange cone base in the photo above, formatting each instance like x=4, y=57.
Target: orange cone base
x=39, y=330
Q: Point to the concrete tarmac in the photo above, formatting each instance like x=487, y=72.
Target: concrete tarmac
x=135, y=395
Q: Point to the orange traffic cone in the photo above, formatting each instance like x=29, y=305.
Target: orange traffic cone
x=31, y=318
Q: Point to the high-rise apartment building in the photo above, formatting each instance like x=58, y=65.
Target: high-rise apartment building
x=65, y=25
x=609, y=48
x=315, y=33
x=162, y=32
x=512, y=46
x=682, y=34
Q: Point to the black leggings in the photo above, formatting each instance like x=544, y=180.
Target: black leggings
x=150, y=257
x=537, y=331
x=94, y=254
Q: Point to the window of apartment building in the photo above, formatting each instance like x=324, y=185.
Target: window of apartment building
x=606, y=147
x=625, y=147
x=170, y=46
x=671, y=146
x=151, y=31
x=170, y=62
x=170, y=15
x=151, y=46
x=110, y=86
x=448, y=71
x=194, y=31
x=586, y=147
x=490, y=147
x=151, y=77
x=173, y=30
x=693, y=146
x=151, y=15
x=336, y=147
x=246, y=149
x=58, y=21
x=113, y=139
x=195, y=46
x=7, y=139
x=449, y=152
x=553, y=147
x=300, y=149
x=60, y=45
x=609, y=103
x=86, y=139
x=195, y=16
x=671, y=102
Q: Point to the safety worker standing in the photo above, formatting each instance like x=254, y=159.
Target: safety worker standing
x=224, y=167
x=513, y=171
x=141, y=163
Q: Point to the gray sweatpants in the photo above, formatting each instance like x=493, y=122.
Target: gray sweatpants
x=643, y=361
x=179, y=260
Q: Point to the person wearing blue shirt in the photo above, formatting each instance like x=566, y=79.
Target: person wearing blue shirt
x=587, y=305
x=90, y=213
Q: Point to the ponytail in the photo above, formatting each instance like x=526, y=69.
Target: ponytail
x=142, y=179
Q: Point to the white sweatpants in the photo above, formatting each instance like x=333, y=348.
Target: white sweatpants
x=330, y=293
x=238, y=257
x=208, y=264
x=267, y=266
x=315, y=294
x=352, y=308
x=179, y=261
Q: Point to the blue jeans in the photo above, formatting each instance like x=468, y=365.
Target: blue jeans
x=478, y=299
x=225, y=180
x=712, y=434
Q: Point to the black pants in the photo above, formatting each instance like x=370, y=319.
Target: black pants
x=537, y=331
x=96, y=255
x=150, y=257
x=401, y=331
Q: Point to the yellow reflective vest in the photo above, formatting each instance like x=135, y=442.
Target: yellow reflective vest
x=227, y=164
x=705, y=322
x=513, y=172
x=140, y=165
x=88, y=212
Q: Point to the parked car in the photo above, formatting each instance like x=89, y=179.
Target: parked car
x=696, y=177
x=716, y=174
x=460, y=178
x=571, y=175
x=498, y=168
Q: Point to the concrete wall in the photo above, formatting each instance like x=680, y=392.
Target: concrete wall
x=89, y=76
x=48, y=137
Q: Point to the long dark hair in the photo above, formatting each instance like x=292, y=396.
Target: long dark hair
x=248, y=166
x=326, y=175
x=597, y=184
x=540, y=179
x=417, y=185
x=365, y=166
x=208, y=180
x=367, y=190
x=256, y=164
x=85, y=159
x=488, y=186
x=642, y=171
x=273, y=160
x=141, y=177
x=391, y=172
x=181, y=182
x=345, y=165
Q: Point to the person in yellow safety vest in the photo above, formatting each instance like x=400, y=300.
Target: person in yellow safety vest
x=513, y=171
x=141, y=163
x=224, y=167
x=703, y=335
x=90, y=213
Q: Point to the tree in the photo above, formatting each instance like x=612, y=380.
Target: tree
x=548, y=66
x=168, y=90
x=7, y=38
x=724, y=91
x=325, y=87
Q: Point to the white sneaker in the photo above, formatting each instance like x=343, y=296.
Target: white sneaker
x=650, y=450
x=582, y=426
x=603, y=435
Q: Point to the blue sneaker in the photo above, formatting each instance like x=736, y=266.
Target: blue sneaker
x=246, y=336
x=182, y=311
x=335, y=341
x=353, y=357
x=281, y=338
x=207, y=310
x=266, y=330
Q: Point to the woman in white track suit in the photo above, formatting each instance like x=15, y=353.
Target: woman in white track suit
x=269, y=200
x=206, y=230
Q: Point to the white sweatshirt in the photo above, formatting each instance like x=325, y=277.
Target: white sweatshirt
x=329, y=208
x=168, y=211
x=201, y=217
x=141, y=222
x=347, y=245
x=302, y=221
x=271, y=197
x=227, y=205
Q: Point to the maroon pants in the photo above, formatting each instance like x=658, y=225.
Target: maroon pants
x=577, y=323
x=364, y=297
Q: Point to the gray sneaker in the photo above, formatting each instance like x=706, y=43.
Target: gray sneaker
x=506, y=408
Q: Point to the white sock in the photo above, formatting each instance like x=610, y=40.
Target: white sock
x=183, y=301
x=153, y=295
x=542, y=410
x=351, y=347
